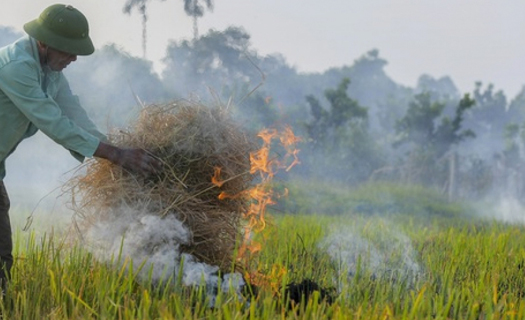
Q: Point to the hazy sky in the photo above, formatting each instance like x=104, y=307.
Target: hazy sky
x=469, y=40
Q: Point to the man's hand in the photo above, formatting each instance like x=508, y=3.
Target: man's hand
x=136, y=160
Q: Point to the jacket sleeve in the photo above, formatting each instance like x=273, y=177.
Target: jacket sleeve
x=20, y=82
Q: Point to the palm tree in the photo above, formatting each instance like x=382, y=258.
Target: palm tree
x=141, y=7
x=195, y=8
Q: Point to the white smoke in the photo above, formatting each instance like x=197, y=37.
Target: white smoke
x=151, y=244
x=506, y=209
x=386, y=253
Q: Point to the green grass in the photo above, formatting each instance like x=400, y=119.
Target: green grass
x=399, y=266
x=309, y=197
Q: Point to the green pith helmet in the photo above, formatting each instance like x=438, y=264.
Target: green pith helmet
x=62, y=27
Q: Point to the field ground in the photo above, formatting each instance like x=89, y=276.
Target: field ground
x=443, y=263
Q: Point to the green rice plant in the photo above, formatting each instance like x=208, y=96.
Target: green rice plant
x=390, y=266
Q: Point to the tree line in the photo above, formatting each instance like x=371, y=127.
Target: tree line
x=357, y=123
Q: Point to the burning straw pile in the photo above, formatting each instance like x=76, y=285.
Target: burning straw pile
x=196, y=144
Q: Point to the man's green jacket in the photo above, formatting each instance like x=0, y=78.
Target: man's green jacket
x=33, y=98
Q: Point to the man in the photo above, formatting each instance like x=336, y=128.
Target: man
x=35, y=95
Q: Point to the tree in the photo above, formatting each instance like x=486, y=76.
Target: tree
x=195, y=8
x=342, y=110
x=442, y=88
x=372, y=87
x=141, y=7
x=341, y=147
x=490, y=110
x=216, y=60
x=516, y=108
x=488, y=118
x=430, y=136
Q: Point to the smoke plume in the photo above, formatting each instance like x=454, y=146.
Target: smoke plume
x=150, y=244
x=384, y=254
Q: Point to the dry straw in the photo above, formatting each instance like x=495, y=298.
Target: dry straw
x=192, y=141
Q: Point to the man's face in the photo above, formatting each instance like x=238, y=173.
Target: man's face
x=58, y=60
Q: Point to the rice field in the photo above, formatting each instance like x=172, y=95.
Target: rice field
x=362, y=265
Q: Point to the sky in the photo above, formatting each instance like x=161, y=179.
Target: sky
x=468, y=40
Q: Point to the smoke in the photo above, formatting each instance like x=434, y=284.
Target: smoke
x=381, y=253
x=506, y=209
x=140, y=236
x=150, y=245
x=8, y=35
x=36, y=172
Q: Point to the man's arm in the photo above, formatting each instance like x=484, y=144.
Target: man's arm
x=136, y=160
x=20, y=84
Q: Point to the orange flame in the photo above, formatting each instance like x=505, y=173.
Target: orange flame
x=216, y=178
x=268, y=278
x=261, y=195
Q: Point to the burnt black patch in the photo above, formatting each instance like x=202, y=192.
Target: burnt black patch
x=302, y=291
